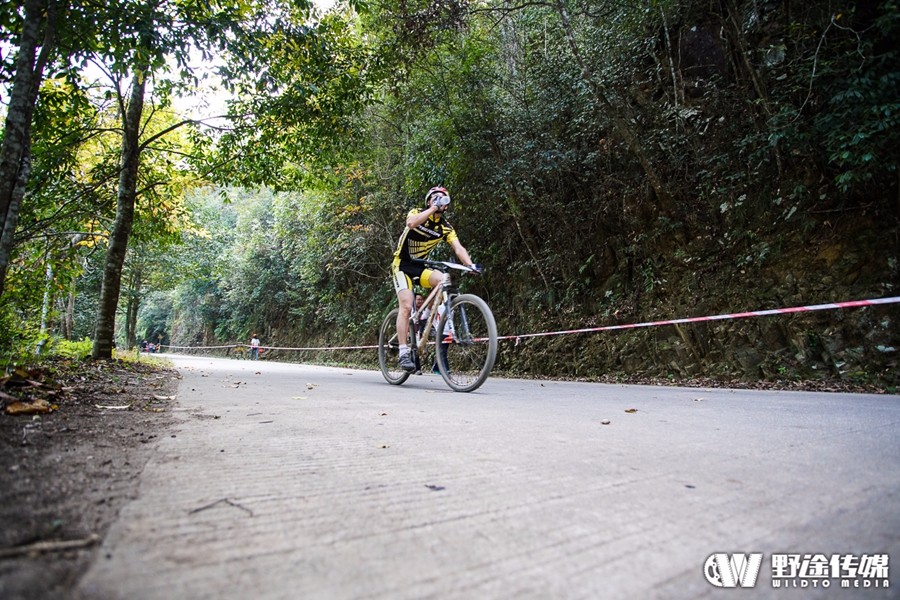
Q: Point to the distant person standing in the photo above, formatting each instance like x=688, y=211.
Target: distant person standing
x=254, y=347
x=423, y=318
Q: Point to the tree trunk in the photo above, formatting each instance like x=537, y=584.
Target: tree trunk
x=732, y=17
x=14, y=152
x=8, y=231
x=65, y=307
x=740, y=41
x=619, y=121
x=70, y=313
x=131, y=321
x=516, y=212
x=105, y=328
x=45, y=308
x=131, y=312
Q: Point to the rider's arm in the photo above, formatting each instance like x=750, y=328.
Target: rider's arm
x=416, y=219
x=461, y=253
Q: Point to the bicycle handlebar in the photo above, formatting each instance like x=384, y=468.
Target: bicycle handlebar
x=442, y=266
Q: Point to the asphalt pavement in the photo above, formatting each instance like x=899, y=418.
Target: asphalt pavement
x=283, y=481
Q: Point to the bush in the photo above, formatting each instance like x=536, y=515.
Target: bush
x=71, y=349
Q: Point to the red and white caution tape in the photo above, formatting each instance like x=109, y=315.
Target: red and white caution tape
x=269, y=347
x=199, y=347
x=373, y=347
x=741, y=315
x=519, y=337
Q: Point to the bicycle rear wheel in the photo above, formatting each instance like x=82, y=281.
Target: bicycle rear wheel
x=389, y=350
x=467, y=344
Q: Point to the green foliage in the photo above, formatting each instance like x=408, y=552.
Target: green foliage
x=294, y=116
x=71, y=349
x=18, y=340
x=861, y=125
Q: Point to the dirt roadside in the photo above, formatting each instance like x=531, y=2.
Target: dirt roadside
x=65, y=474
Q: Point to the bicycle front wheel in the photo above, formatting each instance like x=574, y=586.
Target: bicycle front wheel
x=467, y=344
x=389, y=350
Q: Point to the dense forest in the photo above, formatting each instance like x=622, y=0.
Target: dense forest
x=610, y=162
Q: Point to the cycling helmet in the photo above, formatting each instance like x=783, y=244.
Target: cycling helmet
x=435, y=191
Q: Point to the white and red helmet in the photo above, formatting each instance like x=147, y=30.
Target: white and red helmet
x=437, y=191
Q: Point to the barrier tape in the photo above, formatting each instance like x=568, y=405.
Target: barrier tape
x=229, y=346
x=373, y=347
x=199, y=347
x=518, y=338
x=741, y=315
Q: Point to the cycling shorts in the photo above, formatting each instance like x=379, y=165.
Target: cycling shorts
x=405, y=273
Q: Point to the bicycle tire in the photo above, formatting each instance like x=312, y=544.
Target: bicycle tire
x=470, y=356
x=389, y=350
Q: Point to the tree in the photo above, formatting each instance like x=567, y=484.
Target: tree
x=36, y=44
x=127, y=193
x=146, y=36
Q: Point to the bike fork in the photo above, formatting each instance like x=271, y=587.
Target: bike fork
x=462, y=333
x=413, y=340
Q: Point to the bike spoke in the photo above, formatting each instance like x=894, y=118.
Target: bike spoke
x=472, y=346
x=389, y=350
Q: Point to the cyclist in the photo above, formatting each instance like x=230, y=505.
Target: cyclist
x=425, y=229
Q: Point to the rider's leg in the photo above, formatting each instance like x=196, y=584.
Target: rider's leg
x=405, y=300
x=434, y=278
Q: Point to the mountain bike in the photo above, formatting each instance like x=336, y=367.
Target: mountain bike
x=465, y=345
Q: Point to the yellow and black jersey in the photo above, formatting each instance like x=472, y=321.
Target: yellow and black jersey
x=419, y=242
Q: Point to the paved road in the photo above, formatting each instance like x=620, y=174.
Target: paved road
x=294, y=482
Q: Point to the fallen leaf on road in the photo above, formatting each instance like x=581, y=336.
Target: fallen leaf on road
x=113, y=407
x=29, y=408
x=299, y=398
x=163, y=397
x=310, y=386
x=631, y=410
x=383, y=415
x=384, y=446
x=604, y=422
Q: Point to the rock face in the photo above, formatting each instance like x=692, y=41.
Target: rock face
x=854, y=345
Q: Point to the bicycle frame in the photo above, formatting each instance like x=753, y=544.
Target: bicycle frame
x=463, y=362
x=432, y=301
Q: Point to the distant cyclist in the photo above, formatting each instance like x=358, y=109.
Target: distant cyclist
x=425, y=229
